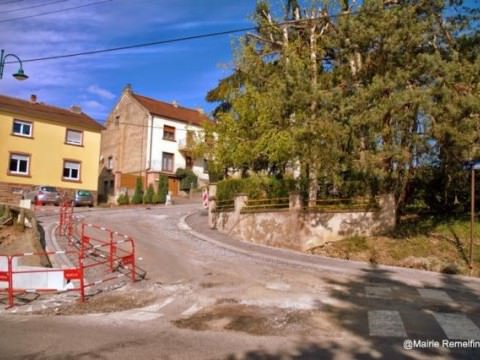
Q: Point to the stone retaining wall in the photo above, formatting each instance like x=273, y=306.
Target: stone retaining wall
x=297, y=228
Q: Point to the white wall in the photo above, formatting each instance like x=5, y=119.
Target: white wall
x=157, y=145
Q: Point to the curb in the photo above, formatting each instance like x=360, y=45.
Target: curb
x=338, y=266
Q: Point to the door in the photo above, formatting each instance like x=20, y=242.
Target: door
x=173, y=186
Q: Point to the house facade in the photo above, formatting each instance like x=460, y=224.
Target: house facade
x=46, y=145
x=147, y=138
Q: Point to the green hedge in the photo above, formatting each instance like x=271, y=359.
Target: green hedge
x=188, y=179
x=255, y=187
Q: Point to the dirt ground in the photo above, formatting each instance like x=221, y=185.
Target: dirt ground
x=14, y=240
x=125, y=298
x=432, y=253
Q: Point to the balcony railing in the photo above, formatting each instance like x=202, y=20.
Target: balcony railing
x=185, y=144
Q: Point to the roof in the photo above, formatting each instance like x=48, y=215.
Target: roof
x=47, y=112
x=170, y=111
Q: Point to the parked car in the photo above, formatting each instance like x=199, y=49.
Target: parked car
x=83, y=197
x=44, y=195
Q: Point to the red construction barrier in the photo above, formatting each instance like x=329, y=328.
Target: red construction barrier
x=67, y=220
x=9, y=276
x=118, y=250
x=100, y=253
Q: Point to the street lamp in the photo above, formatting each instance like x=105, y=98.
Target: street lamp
x=19, y=75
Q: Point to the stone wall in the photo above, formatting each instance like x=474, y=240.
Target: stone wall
x=299, y=229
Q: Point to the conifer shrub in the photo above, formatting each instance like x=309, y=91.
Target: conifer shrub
x=161, y=195
x=148, y=196
x=137, y=197
x=123, y=199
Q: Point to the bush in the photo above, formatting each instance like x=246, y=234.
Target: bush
x=148, y=197
x=188, y=179
x=255, y=187
x=137, y=197
x=161, y=195
x=123, y=199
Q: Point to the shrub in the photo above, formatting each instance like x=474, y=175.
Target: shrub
x=137, y=197
x=161, y=195
x=255, y=187
x=148, y=197
x=123, y=199
x=188, y=179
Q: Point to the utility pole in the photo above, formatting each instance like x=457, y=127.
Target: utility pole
x=472, y=215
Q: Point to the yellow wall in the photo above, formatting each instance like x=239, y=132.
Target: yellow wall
x=47, y=151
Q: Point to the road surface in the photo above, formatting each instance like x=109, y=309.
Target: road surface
x=204, y=301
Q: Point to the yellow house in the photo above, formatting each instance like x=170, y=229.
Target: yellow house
x=46, y=145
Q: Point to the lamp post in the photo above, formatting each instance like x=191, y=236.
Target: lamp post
x=19, y=75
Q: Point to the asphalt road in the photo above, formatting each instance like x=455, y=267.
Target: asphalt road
x=213, y=302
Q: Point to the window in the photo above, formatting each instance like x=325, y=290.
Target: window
x=71, y=170
x=74, y=137
x=22, y=128
x=168, y=133
x=110, y=163
x=19, y=164
x=167, y=162
x=205, y=166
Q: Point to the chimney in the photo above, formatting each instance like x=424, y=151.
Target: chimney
x=33, y=98
x=76, y=109
x=128, y=88
x=174, y=103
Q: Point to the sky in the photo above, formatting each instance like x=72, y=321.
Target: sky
x=182, y=71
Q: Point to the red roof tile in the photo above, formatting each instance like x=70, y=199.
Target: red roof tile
x=160, y=108
x=47, y=112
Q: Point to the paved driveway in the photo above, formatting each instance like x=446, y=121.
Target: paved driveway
x=214, y=302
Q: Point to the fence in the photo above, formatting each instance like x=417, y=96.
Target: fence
x=295, y=224
x=99, y=254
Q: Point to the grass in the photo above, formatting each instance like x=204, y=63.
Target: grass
x=431, y=243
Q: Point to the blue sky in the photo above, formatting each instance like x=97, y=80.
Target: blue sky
x=182, y=71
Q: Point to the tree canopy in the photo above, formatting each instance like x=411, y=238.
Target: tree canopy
x=385, y=93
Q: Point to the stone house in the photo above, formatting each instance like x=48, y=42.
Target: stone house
x=146, y=138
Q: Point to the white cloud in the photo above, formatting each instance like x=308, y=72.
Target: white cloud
x=103, y=93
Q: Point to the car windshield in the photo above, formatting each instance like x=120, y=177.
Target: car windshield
x=83, y=193
x=48, y=189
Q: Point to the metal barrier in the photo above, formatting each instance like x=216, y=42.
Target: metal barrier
x=65, y=226
x=98, y=252
x=20, y=278
x=116, y=250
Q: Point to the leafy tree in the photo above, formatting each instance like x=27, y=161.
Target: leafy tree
x=365, y=98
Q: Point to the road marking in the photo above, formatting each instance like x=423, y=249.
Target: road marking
x=191, y=310
x=438, y=295
x=386, y=323
x=278, y=286
x=457, y=326
x=378, y=291
x=166, y=302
